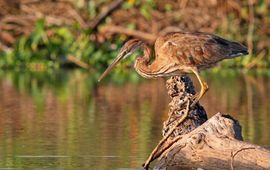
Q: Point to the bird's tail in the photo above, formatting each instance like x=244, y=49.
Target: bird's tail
x=237, y=49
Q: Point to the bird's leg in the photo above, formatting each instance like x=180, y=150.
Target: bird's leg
x=204, y=88
x=154, y=153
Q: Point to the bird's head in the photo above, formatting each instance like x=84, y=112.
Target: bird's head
x=128, y=48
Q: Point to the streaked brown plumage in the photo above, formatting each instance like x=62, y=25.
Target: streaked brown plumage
x=179, y=53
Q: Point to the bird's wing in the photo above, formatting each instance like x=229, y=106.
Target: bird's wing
x=198, y=49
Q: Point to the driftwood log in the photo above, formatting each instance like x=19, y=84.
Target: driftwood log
x=195, y=143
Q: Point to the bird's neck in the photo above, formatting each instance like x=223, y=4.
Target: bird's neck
x=147, y=53
x=142, y=64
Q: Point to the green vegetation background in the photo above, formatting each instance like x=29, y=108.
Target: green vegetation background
x=49, y=47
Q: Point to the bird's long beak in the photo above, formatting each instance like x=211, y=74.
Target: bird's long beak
x=120, y=56
x=128, y=48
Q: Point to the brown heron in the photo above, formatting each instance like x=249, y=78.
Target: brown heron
x=180, y=53
x=176, y=54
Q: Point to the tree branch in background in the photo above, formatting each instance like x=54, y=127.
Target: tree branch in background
x=110, y=8
x=122, y=30
x=255, y=61
x=78, y=62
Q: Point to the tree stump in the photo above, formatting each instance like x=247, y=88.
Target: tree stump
x=181, y=90
x=200, y=143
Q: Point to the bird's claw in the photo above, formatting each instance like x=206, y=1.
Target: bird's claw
x=145, y=167
x=194, y=101
x=205, y=85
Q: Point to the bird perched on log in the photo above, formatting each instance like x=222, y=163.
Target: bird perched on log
x=179, y=53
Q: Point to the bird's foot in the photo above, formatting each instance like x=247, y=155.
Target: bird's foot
x=205, y=86
x=145, y=166
x=195, y=100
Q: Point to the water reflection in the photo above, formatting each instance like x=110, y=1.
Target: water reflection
x=63, y=120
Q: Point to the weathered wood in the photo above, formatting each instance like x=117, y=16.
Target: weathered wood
x=215, y=144
x=182, y=118
x=181, y=90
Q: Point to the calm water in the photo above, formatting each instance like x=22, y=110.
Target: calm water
x=65, y=120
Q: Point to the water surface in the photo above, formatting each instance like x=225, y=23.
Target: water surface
x=64, y=120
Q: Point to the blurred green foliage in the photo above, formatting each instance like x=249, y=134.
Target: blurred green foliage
x=51, y=51
x=49, y=47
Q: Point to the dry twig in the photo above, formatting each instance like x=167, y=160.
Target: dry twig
x=155, y=151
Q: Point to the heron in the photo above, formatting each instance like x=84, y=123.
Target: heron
x=180, y=53
x=176, y=54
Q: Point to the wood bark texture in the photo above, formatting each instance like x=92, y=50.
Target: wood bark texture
x=181, y=90
x=215, y=144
